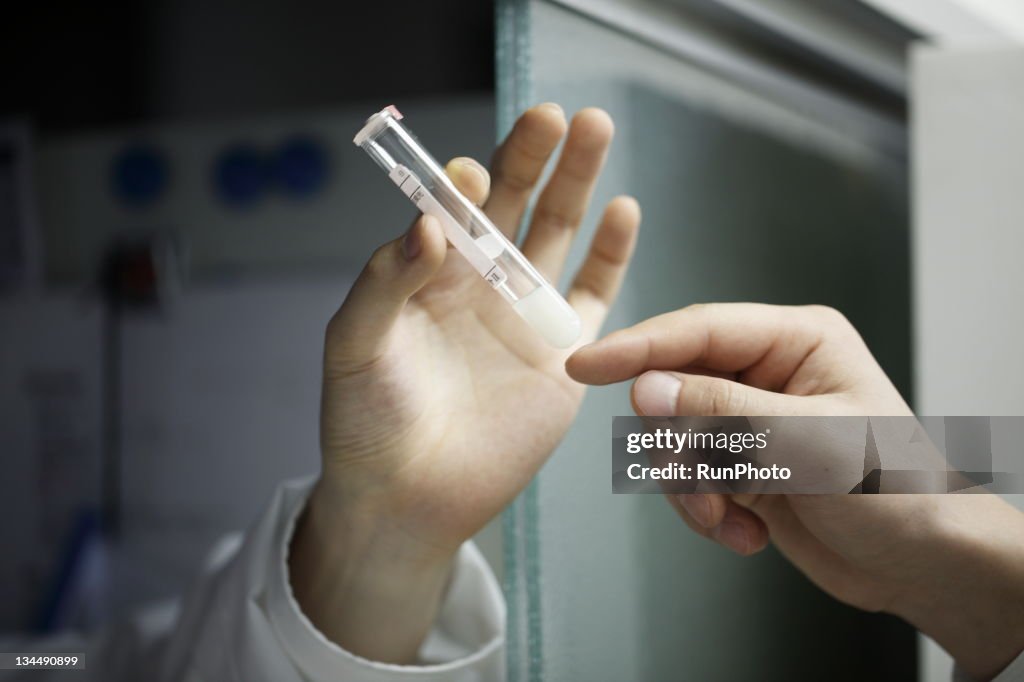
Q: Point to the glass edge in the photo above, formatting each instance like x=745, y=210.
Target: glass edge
x=520, y=521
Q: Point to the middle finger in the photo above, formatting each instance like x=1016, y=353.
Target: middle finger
x=563, y=203
x=519, y=162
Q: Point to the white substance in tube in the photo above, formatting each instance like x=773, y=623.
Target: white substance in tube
x=490, y=245
x=550, y=317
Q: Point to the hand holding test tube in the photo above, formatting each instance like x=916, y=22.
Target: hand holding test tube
x=494, y=257
x=439, y=404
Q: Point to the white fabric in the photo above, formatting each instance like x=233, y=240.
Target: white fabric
x=240, y=622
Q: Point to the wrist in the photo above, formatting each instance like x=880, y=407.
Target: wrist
x=363, y=580
x=970, y=598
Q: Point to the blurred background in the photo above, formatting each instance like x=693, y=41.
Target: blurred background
x=181, y=210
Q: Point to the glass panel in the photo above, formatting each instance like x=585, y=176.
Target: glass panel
x=745, y=196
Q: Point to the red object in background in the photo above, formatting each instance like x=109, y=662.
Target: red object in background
x=140, y=273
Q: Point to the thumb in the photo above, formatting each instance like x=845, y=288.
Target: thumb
x=357, y=333
x=668, y=394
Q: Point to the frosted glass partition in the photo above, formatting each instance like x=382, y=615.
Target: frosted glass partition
x=745, y=196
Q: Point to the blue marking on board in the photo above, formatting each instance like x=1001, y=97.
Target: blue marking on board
x=241, y=175
x=302, y=167
x=139, y=175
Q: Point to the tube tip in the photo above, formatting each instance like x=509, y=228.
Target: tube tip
x=550, y=316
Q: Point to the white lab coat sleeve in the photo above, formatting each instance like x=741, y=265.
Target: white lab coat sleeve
x=240, y=623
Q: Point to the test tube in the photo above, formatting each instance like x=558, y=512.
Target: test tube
x=395, y=149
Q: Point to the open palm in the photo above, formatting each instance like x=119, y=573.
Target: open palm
x=439, y=402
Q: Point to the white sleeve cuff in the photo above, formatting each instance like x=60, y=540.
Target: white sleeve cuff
x=466, y=643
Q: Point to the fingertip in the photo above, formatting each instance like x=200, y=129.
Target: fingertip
x=756, y=539
x=604, y=361
x=760, y=540
x=575, y=367
x=470, y=178
x=583, y=366
x=594, y=125
x=539, y=129
x=553, y=107
x=732, y=536
x=626, y=208
x=741, y=531
x=546, y=119
x=618, y=231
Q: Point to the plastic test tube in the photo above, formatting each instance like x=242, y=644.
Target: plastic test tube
x=499, y=262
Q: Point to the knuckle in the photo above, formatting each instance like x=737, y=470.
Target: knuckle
x=829, y=315
x=696, y=308
x=377, y=266
x=513, y=181
x=334, y=331
x=834, y=323
x=588, y=283
x=534, y=152
x=557, y=218
x=723, y=399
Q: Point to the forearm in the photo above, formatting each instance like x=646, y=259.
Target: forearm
x=972, y=601
x=366, y=586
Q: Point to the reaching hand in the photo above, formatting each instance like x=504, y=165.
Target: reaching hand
x=936, y=560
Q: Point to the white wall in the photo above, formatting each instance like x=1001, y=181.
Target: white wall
x=958, y=21
x=968, y=105
x=968, y=176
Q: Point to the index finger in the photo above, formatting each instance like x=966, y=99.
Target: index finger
x=518, y=163
x=765, y=342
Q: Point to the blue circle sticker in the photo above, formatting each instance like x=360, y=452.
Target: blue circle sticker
x=139, y=174
x=302, y=167
x=241, y=176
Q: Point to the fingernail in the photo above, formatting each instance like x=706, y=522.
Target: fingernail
x=465, y=164
x=412, y=244
x=733, y=535
x=657, y=394
x=698, y=506
x=553, y=107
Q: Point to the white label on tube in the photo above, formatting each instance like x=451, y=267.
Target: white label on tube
x=456, y=234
